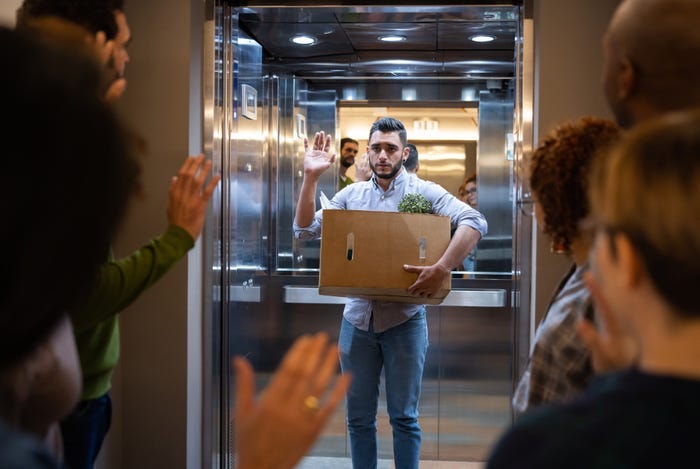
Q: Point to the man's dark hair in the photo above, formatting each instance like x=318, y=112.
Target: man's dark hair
x=93, y=15
x=412, y=160
x=389, y=124
x=71, y=174
x=345, y=140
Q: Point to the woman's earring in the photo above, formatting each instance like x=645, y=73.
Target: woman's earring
x=558, y=248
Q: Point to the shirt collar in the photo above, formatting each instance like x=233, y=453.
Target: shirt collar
x=398, y=179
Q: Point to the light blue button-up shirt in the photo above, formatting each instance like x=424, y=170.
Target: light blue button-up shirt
x=368, y=195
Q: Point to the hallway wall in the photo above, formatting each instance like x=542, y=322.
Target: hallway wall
x=568, y=70
x=161, y=332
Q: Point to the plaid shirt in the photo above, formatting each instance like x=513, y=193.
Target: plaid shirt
x=560, y=364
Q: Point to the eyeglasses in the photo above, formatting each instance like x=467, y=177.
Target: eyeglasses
x=592, y=226
x=473, y=190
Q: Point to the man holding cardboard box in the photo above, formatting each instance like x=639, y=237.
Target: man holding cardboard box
x=375, y=334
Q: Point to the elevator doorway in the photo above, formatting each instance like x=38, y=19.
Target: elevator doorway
x=264, y=282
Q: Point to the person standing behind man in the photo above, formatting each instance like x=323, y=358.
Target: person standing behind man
x=646, y=73
x=376, y=335
x=468, y=192
x=348, y=152
x=119, y=282
x=412, y=164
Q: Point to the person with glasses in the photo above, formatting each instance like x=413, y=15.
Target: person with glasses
x=468, y=192
x=560, y=364
x=644, y=275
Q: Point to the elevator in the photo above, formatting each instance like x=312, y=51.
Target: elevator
x=466, y=107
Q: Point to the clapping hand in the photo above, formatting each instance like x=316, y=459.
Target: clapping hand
x=276, y=430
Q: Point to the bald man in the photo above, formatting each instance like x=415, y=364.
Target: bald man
x=651, y=50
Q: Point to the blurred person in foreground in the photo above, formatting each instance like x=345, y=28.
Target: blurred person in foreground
x=646, y=73
x=647, y=67
x=53, y=248
x=644, y=278
x=277, y=431
x=119, y=281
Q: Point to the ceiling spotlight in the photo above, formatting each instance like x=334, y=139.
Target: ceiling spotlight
x=392, y=38
x=482, y=38
x=303, y=40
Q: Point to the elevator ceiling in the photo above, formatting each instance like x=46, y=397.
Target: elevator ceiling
x=431, y=40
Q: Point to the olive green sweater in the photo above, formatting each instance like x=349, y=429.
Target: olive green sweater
x=96, y=323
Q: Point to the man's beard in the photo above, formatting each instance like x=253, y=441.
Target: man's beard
x=346, y=162
x=394, y=169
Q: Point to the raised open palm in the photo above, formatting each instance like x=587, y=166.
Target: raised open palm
x=317, y=158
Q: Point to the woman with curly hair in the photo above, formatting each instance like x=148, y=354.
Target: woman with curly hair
x=560, y=364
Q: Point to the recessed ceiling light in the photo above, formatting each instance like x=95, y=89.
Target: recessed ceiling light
x=482, y=38
x=392, y=38
x=303, y=40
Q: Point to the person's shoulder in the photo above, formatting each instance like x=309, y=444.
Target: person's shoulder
x=20, y=451
x=637, y=419
x=523, y=444
x=424, y=185
x=543, y=437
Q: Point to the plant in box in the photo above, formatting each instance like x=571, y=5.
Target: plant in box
x=414, y=203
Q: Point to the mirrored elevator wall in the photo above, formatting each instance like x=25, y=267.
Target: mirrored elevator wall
x=266, y=290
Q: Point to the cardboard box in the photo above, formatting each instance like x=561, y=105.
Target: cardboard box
x=363, y=253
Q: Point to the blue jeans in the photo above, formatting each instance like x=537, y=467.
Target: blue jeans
x=84, y=430
x=401, y=352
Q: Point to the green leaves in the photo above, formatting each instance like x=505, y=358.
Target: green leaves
x=414, y=203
